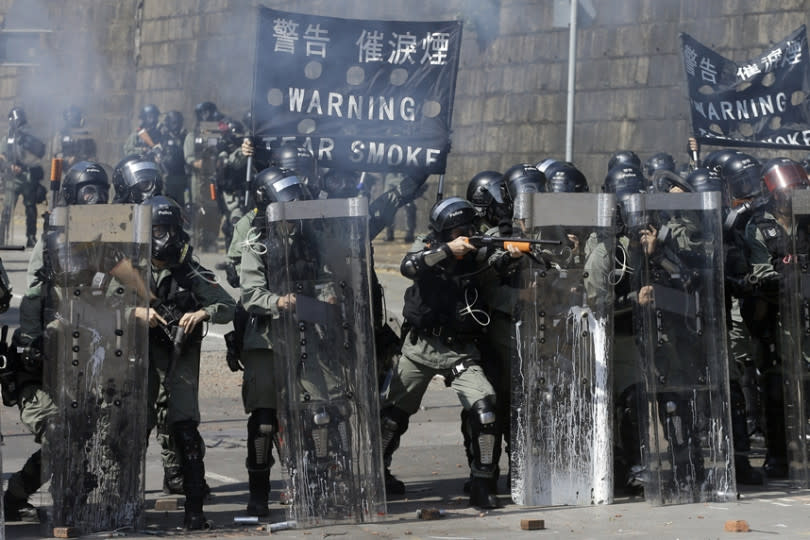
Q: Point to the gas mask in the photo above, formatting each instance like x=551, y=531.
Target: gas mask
x=170, y=245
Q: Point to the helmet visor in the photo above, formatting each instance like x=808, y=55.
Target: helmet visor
x=91, y=194
x=784, y=176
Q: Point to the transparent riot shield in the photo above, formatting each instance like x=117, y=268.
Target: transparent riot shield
x=676, y=249
x=324, y=347
x=96, y=365
x=561, y=452
x=794, y=299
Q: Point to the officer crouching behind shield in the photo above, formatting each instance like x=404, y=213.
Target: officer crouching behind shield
x=186, y=295
x=445, y=318
x=85, y=183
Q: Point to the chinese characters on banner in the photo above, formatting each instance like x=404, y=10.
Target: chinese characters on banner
x=761, y=103
x=361, y=94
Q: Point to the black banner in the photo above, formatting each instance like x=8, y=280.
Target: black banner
x=761, y=103
x=361, y=94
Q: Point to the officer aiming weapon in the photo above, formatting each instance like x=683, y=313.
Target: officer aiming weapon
x=522, y=244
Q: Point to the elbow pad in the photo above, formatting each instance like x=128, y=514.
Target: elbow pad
x=415, y=263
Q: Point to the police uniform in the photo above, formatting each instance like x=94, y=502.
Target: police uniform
x=188, y=287
x=25, y=183
x=441, y=340
x=768, y=243
x=136, y=145
x=35, y=404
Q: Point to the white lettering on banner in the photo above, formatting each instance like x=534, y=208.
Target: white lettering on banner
x=352, y=106
x=404, y=47
x=370, y=46
x=316, y=40
x=286, y=33
x=796, y=138
x=379, y=153
x=742, y=109
x=690, y=60
x=323, y=152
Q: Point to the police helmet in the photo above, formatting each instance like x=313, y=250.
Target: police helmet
x=206, y=112
x=235, y=127
x=73, y=117
x=563, y=177
x=715, y=160
x=85, y=183
x=173, y=121
x=275, y=184
x=169, y=240
x=136, y=179
x=624, y=157
x=450, y=214
x=624, y=180
x=341, y=183
x=16, y=117
x=741, y=173
x=149, y=116
x=484, y=188
x=703, y=179
x=782, y=174
x=296, y=158
x=658, y=162
x=523, y=178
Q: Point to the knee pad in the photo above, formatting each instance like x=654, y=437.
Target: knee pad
x=394, y=422
x=262, y=425
x=484, y=431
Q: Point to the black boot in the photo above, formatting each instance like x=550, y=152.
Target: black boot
x=481, y=493
x=259, y=484
x=190, y=444
x=16, y=509
x=194, y=519
x=745, y=473
x=31, y=241
x=393, y=486
x=22, y=485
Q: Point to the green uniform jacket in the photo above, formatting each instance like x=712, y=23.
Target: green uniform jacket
x=240, y=234
x=259, y=301
x=219, y=305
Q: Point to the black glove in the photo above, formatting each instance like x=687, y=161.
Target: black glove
x=232, y=355
x=231, y=276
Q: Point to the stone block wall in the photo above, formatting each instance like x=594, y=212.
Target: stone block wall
x=510, y=106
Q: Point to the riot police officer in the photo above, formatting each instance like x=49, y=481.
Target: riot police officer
x=147, y=137
x=204, y=151
x=767, y=236
x=84, y=183
x=623, y=181
x=22, y=176
x=172, y=161
x=262, y=303
x=186, y=295
x=444, y=319
x=75, y=142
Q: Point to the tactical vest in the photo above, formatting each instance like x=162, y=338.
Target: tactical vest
x=439, y=301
